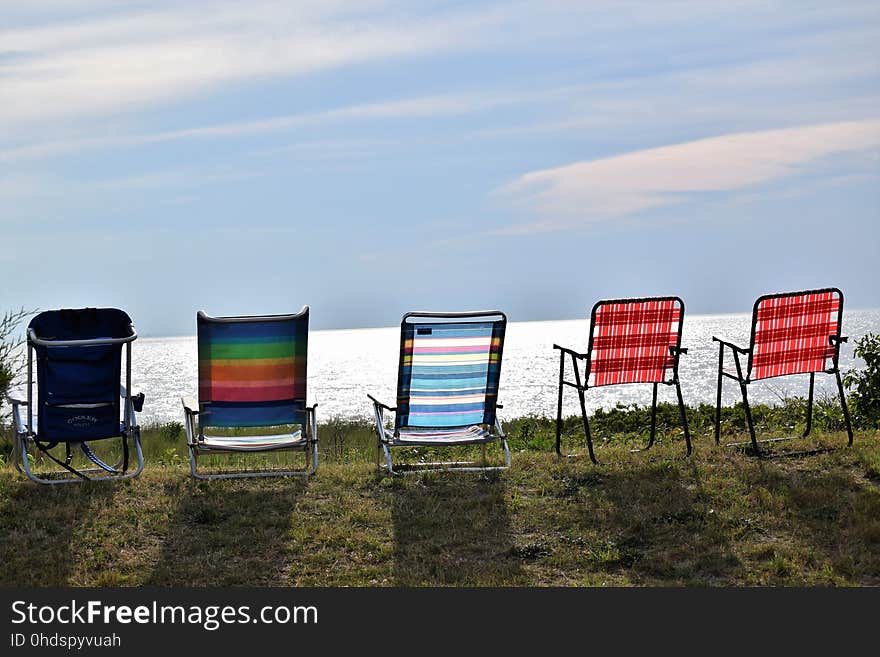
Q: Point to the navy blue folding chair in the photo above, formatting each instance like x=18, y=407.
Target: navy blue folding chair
x=79, y=396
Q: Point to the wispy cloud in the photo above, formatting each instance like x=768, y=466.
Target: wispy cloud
x=434, y=106
x=600, y=190
x=134, y=60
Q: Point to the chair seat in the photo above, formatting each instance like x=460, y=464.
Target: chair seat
x=456, y=436
x=252, y=443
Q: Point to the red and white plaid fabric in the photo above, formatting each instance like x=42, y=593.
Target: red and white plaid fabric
x=792, y=333
x=631, y=341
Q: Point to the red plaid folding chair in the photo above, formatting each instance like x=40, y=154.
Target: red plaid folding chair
x=792, y=333
x=631, y=341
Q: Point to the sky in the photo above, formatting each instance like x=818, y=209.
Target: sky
x=373, y=157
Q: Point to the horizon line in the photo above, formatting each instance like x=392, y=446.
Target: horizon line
x=151, y=336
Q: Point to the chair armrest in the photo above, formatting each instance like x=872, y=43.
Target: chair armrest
x=730, y=345
x=675, y=351
x=19, y=425
x=837, y=341
x=379, y=404
x=190, y=405
x=574, y=353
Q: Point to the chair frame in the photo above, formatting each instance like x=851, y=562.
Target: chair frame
x=195, y=435
x=581, y=386
x=25, y=434
x=836, y=340
x=386, y=438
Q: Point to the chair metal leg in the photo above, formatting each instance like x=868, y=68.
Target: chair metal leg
x=587, y=426
x=81, y=475
x=849, y=431
x=559, y=405
x=684, y=421
x=19, y=450
x=810, y=406
x=389, y=465
x=748, y=410
x=653, y=419
x=718, y=397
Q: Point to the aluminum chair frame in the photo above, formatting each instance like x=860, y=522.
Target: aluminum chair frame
x=387, y=439
x=195, y=435
x=581, y=385
x=835, y=341
x=24, y=428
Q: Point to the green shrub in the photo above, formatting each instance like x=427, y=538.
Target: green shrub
x=171, y=431
x=864, y=385
x=11, y=361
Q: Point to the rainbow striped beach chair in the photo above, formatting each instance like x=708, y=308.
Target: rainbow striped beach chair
x=791, y=333
x=631, y=341
x=252, y=374
x=447, y=388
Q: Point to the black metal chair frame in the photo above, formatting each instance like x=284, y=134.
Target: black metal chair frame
x=581, y=386
x=743, y=381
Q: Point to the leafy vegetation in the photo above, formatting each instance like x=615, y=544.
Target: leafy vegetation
x=11, y=361
x=864, y=385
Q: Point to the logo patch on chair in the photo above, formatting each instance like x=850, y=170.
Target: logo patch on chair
x=82, y=421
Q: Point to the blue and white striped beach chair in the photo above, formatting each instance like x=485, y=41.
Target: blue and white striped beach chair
x=447, y=388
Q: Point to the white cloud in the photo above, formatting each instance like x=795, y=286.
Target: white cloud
x=604, y=189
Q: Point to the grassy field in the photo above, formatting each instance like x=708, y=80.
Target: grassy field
x=720, y=517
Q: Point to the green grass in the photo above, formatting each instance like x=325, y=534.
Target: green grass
x=720, y=517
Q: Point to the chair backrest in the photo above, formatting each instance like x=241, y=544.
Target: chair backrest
x=450, y=365
x=792, y=332
x=252, y=370
x=634, y=340
x=79, y=360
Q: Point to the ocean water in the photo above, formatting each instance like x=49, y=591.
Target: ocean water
x=345, y=365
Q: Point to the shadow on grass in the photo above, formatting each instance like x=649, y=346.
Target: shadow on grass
x=228, y=533
x=835, y=520
x=650, y=522
x=785, y=521
x=452, y=529
x=40, y=530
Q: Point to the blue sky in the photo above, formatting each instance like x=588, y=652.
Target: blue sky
x=373, y=157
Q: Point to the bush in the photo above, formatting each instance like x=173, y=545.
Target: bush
x=865, y=384
x=11, y=361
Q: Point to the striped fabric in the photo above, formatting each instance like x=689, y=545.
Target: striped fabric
x=252, y=443
x=470, y=434
x=792, y=333
x=252, y=371
x=448, y=375
x=631, y=340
